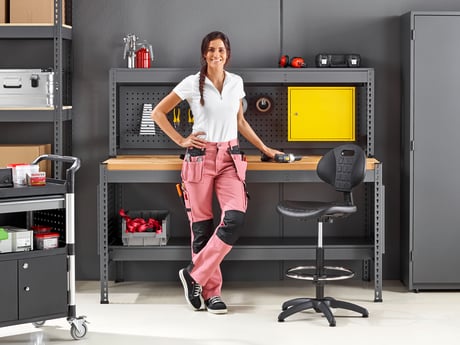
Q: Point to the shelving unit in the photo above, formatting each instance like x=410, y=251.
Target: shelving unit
x=40, y=284
x=61, y=36
x=154, y=160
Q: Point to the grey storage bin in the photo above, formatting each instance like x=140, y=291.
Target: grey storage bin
x=147, y=238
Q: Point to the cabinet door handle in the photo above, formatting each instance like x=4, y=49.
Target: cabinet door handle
x=27, y=289
x=25, y=265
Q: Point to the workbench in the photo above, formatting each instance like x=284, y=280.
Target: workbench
x=162, y=169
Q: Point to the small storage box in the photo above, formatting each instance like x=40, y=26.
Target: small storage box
x=47, y=240
x=21, y=239
x=20, y=88
x=20, y=172
x=147, y=238
x=36, y=178
x=6, y=245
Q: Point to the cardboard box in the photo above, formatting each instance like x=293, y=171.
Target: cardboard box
x=34, y=11
x=3, y=11
x=11, y=154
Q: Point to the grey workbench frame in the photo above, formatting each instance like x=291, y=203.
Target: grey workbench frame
x=272, y=251
x=110, y=181
x=251, y=76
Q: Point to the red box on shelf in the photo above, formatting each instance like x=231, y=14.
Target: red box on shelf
x=48, y=240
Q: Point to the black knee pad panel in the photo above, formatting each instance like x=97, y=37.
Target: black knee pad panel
x=230, y=231
x=202, y=232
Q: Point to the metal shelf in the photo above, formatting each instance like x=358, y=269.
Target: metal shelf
x=33, y=114
x=250, y=75
x=33, y=254
x=298, y=248
x=33, y=31
x=28, y=204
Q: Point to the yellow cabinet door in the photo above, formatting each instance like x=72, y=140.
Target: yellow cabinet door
x=321, y=113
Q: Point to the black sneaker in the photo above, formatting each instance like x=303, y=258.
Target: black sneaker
x=192, y=290
x=215, y=305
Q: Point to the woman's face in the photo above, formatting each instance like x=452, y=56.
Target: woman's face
x=216, y=54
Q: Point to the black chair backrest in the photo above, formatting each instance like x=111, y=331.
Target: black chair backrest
x=343, y=167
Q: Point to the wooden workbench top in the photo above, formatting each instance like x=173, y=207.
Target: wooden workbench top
x=173, y=162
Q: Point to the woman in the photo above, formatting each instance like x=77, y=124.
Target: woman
x=212, y=163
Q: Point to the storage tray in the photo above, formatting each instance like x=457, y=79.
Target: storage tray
x=147, y=238
x=52, y=187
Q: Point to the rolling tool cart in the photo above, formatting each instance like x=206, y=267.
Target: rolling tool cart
x=39, y=285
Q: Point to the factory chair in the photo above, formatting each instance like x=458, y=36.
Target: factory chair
x=344, y=168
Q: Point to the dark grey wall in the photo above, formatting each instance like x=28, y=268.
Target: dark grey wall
x=258, y=29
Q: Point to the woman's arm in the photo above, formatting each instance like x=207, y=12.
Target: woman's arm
x=246, y=130
x=168, y=103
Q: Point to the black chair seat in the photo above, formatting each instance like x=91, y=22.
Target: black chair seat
x=314, y=209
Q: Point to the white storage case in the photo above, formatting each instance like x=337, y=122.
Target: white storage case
x=21, y=88
x=22, y=240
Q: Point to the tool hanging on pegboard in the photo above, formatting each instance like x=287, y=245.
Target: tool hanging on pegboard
x=147, y=123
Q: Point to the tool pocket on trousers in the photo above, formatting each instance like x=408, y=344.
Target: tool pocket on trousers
x=241, y=165
x=192, y=170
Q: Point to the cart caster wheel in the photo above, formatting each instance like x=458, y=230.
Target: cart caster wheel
x=76, y=334
x=38, y=323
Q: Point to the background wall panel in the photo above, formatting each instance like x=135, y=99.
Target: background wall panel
x=258, y=29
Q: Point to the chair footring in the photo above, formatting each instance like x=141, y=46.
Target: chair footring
x=328, y=273
x=319, y=305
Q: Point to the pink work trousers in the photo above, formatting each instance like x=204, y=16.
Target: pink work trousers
x=223, y=173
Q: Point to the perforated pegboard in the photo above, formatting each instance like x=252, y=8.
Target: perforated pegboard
x=271, y=126
x=131, y=103
x=53, y=218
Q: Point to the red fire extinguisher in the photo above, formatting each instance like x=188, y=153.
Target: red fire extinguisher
x=144, y=55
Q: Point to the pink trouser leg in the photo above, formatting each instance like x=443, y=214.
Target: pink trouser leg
x=218, y=176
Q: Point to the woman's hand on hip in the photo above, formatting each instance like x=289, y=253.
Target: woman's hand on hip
x=194, y=140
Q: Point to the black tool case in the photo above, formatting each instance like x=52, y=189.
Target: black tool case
x=39, y=285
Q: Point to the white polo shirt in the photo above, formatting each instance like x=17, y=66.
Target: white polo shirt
x=218, y=116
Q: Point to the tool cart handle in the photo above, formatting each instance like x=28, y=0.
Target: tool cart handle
x=70, y=172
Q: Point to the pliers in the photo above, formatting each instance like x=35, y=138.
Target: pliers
x=190, y=116
x=176, y=117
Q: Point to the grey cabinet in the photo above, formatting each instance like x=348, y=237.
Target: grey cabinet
x=35, y=286
x=430, y=141
x=9, y=291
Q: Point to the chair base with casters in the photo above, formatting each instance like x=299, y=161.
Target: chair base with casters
x=344, y=168
x=319, y=274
